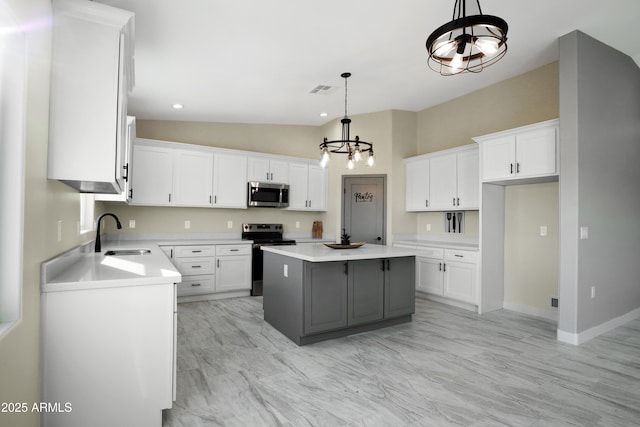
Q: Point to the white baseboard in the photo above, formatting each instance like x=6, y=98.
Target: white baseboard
x=550, y=314
x=583, y=337
x=448, y=301
x=210, y=297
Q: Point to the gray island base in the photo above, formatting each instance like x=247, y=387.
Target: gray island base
x=313, y=293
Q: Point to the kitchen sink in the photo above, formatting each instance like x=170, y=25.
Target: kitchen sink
x=128, y=252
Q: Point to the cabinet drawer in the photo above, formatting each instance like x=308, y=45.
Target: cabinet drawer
x=195, y=251
x=197, y=285
x=461, y=256
x=233, y=250
x=195, y=266
x=429, y=252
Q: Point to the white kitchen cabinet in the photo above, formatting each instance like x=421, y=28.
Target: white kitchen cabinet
x=429, y=276
x=192, y=178
x=233, y=268
x=417, y=184
x=451, y=275
x=460, y=275
x=443, y=180
x=91, y=77
x=151, y=175
x=308, y=188
x=266, y=169
x=212, y=271
x=229, y=181
x=127, y=157
x=524, y=153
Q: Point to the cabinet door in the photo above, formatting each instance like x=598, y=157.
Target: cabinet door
x=365, y=291
x=299, y=176
x=442, y=182
x=468, y=180
x=317, y=188
x=233, y=273
x=128, y=156
x=193, y=178
x=257, y=169
x=399, y=287
x=229, y=181
x=460, y=281
x=536, y=153
x=498, y=158
x=152, y=176
x=417, y=185
x=325, y=296
x=279, y=171
x=429, y=275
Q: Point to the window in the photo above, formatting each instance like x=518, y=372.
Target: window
x=12, y=148
x=87, y=204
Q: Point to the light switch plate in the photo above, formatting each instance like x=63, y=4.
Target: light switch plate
x=132, y=223
x=187, y=224
x=286, y=270
x=543, y=230
x=229, y=224
x=584, y=233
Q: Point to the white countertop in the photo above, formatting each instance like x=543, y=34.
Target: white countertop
x=81, y=268
x=318, y=252
x=418, y=243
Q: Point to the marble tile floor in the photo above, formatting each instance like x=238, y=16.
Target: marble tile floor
x=449, y=367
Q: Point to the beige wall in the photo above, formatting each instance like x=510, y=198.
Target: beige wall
x=46, y=202
x=531, y=260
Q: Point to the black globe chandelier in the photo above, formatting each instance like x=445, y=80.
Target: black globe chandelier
x=354, y=149
x=467, y=43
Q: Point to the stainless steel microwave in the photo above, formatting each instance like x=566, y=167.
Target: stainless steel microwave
x=267, y=195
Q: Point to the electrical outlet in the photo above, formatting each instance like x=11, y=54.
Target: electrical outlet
x=593, y=292
x=59, y=230
x=187, y=223
x=286, y=270
x=229, y=224
x=428, y=227
x=543, y=230
x=297, y=224
x=132, y=223
x=554, y=302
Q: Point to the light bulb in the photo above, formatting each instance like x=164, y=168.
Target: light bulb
x=456, y=62
x=487, y=45
x=324, y=160
x=370, y=160
x=357, y=156
x=350, y=162
x=443, y=48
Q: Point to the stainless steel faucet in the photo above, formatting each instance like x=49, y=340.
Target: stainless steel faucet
x=98, y=245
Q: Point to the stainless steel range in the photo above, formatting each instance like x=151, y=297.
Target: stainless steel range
x=262, y=235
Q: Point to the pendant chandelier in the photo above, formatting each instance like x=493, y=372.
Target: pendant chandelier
x=467, y=43
x=354, y=149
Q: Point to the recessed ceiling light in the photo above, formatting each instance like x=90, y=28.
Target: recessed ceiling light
x=323, y=114
x=177, y=106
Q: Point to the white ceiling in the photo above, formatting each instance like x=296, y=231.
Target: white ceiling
x=256, y=61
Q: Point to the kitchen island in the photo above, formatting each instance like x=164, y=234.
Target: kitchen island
x=314, y=293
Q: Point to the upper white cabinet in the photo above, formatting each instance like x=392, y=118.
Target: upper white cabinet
x=444, y=180
x=192, y=178
x=308, y=188
x=152, y=175
x=230, y=181
x=91, y=76
x=525, y=153
x=266, y=169
x=417, y=184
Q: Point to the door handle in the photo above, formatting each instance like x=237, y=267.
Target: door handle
x=378, y=238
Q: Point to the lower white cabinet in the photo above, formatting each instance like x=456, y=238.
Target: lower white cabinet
x=211, y=269
x=448, y=273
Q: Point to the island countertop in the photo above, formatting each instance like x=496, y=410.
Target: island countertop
x=318, y=252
